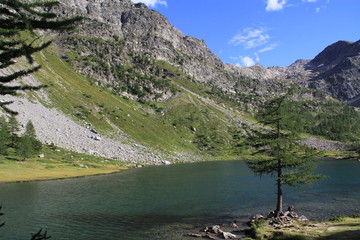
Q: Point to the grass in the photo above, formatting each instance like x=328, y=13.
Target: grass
x=73, y=94
x=337, y=228
x=162, y=126
x=56, y=164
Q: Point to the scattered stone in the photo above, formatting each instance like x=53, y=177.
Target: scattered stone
x=213, y=229
x=93, y=131
x=165, y=162
x=227, y=235
x=256, y=217
x=41, y=156
x=271, y=214
x=302, y=218
x=193, y=129
x=234, y=225
x=96, y=137
x=194, y=235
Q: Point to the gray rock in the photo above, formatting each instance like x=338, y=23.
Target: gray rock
x=302, y=218
x=227, y=235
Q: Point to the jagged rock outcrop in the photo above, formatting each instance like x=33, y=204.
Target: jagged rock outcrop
x=136, y=52
x=122, y=44
x=335, y=71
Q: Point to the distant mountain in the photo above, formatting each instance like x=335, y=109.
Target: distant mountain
x=335, y=71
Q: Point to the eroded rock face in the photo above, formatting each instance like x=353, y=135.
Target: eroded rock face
x=120, y=34
x=335, y=71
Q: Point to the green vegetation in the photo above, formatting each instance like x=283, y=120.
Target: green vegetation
x=346, y=229
x=56, y=163
x=184, y=123
x=43, y=161
x=333, y=120
x=27, y=145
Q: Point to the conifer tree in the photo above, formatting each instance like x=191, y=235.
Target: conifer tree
x=27, y=144
x=17, y=17
x=5, y=136
x=288, y=160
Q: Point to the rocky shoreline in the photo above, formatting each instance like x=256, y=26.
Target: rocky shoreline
x=235, y=231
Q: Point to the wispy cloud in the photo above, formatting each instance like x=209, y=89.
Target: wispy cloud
x=151, y=3
x=250, y=38
x=310, y=1
x=268, y=48
x=275, y=5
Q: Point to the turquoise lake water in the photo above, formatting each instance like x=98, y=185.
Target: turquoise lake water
x=165, y=202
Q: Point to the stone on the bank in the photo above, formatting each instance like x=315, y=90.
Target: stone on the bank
x=41, y=156
x=256, y=217
x=194, y=235
x=302, y=218
x=227, y=235
x=271, y=214
x=234, y=225
x=213, y=229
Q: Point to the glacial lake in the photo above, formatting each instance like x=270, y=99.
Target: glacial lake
x=165, y=202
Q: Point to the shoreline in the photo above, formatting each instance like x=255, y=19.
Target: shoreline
x=35, y=170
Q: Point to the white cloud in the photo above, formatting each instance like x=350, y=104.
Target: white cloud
x=151, y=3
x=247, y=61
x=317, y=10
x=250, y=38
x=310, y=1
x=275, y=5
x=268, y=48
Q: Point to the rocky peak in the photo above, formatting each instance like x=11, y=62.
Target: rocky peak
x=145, y=32
x=334, y=54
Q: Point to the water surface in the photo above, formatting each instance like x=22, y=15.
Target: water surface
x=164, y=202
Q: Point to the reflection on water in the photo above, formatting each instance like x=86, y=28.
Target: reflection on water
x=163, y=202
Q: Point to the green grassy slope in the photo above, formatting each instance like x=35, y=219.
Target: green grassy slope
x=182, y=124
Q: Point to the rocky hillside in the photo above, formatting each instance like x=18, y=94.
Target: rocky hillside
x=128, y=85
x=135, y=52
x=335, y=71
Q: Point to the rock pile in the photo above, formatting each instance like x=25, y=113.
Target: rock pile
x=277, y=222
x=215, y=232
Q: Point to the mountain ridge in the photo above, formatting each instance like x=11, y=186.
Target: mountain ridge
x=131, y=76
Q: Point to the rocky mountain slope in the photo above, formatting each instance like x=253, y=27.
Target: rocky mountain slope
x=134, y=51
x=122, y=44
x=128, y=85
x=335, y=71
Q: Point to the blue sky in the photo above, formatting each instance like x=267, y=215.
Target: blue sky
x=268, y=32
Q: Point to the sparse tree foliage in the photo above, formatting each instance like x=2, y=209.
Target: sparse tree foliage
x=19, y=21
x=289, y=161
